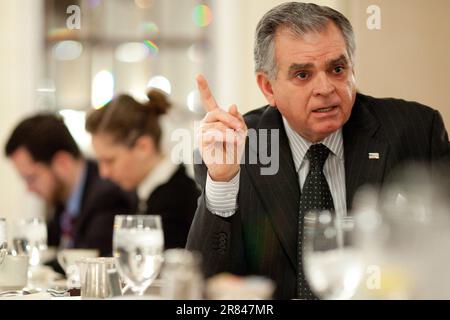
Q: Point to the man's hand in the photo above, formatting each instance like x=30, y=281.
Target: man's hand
x=221, y=136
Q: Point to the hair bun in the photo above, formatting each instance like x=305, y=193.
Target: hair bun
x=158, y=101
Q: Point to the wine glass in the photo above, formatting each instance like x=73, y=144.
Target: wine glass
x=333, y=266
x=30, y=238
x=138, y=246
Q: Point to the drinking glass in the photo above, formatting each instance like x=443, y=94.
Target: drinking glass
x=333, y=265
x=138, y=246
x=30, y=238
x=94, y=280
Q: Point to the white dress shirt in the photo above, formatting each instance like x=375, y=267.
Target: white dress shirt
x=221, y=197
x=159, y=175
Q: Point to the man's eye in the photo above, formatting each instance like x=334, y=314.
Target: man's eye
x=338, y=70
x=108, y=161
x=302, y=75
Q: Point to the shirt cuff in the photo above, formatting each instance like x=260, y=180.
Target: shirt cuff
x=221, y=197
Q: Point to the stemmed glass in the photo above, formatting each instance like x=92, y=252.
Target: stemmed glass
x=333, y=265
x=30, y=237
x=138, y=246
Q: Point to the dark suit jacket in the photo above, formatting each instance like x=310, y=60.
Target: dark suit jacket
x=176, y=202
x=261, y=237
x=101, y=201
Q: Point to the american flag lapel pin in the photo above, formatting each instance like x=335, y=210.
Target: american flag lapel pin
x=374, y=156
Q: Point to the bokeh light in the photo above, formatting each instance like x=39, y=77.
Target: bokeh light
x=160, y=82
x=202, y=15
x=196, y=53
x=154, y=49
x=139, y=95
x=75, y=121
x=193, y=102
x=131, y=52
x=102, y=89
x=149, y=29
x=67, y=50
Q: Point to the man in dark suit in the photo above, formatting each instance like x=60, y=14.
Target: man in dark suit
x=50, y=162
x=330, y=140
x=100, y=201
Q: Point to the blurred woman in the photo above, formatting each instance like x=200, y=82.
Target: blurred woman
x=126, y=138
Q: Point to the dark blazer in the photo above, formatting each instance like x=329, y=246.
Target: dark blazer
x=101, y=201
x=261, y=237
x=176, y=202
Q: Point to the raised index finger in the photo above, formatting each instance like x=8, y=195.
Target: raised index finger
x=209, y=103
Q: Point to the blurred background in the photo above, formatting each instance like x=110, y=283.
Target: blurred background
x=126, y=46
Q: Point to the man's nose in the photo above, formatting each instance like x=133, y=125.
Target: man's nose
x=323, y=86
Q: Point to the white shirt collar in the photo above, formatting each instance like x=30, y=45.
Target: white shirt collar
x=160, y=174
x=300, y=145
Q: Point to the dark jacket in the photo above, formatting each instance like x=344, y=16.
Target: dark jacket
x=101, y=201
x=176, y=202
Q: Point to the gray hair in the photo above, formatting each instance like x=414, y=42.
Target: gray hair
x=300, y=18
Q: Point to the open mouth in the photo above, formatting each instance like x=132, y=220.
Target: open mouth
x=325, y=110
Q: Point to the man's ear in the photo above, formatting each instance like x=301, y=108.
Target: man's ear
x=266, y=87
x=60, y=161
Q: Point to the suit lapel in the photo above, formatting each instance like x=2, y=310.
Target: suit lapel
x=280, y=193
x=362, y=137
